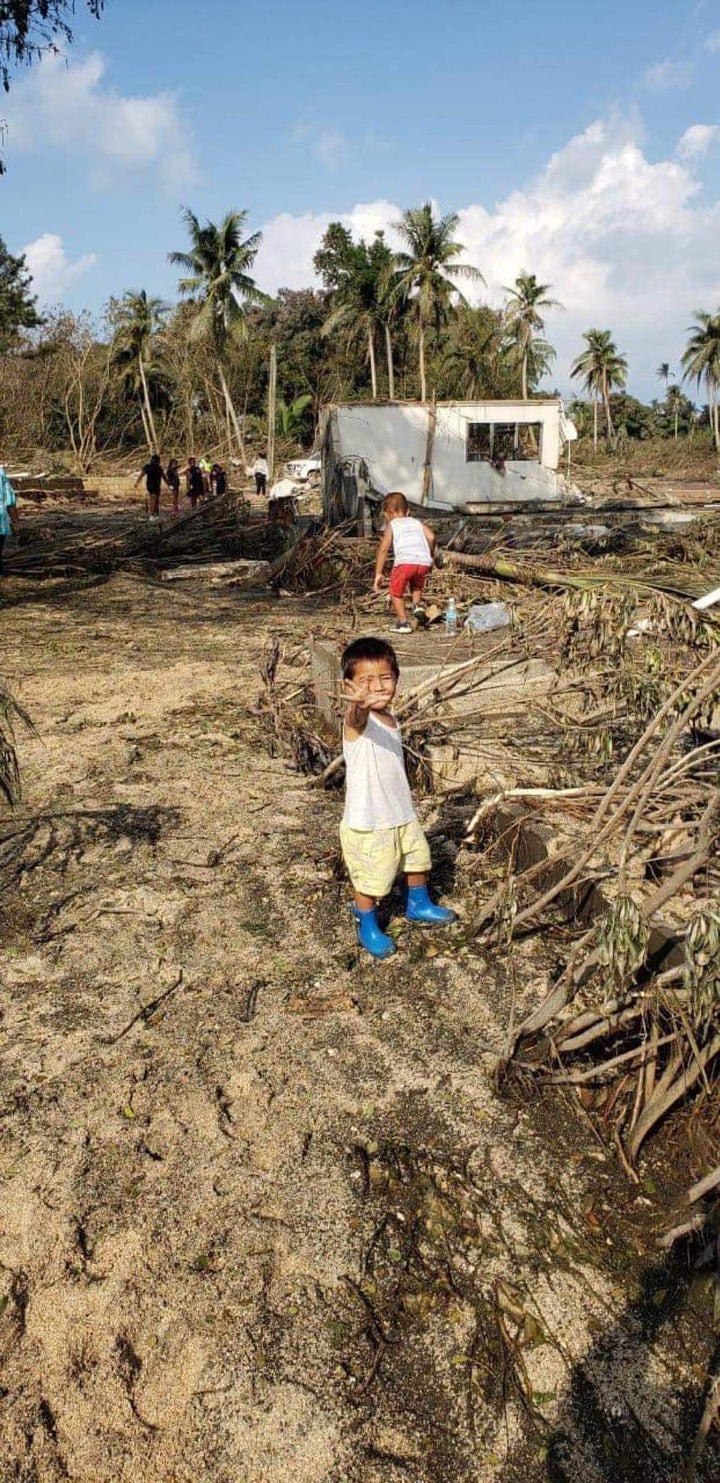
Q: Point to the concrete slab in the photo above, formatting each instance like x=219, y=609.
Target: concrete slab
x=429, y=655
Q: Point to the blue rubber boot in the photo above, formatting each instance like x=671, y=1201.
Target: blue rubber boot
x=371, y=936
x=421, y=909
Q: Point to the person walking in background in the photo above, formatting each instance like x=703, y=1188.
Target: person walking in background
x=154, y=480
x=193, y=474
x=218, y=479
x=8, y=503
x=205, y=470
x=173, y=479
x=261, y=470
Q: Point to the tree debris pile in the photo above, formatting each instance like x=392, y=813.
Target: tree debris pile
x=220, y=529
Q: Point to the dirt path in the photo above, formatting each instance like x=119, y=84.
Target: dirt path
x=263, y=1215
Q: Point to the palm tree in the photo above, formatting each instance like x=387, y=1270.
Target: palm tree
x=219, y=285
x=663, y=373
x=390, y=306
x=602, y=368
x=702, y=362
x=361, y=302
x=674, y=400
x=425, y=273
x=523, y=317
x=137, y=321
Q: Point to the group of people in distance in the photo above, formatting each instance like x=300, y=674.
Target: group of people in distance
x=203, y=480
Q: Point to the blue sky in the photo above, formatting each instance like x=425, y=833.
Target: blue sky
x=577, y=142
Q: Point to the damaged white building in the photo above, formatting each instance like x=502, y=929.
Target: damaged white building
x=465, y=456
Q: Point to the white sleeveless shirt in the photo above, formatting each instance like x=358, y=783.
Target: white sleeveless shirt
x=377, y=792
x=410, y=544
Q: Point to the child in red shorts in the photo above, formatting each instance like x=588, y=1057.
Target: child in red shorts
x=413, y=546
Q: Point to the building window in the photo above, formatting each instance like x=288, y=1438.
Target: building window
x=502, y=442
x=479, y=442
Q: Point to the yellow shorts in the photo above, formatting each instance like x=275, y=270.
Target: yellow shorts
x=374, y=856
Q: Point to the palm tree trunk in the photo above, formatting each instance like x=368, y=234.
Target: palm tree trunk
x=390, y=363
x=524, y=374
x=676, y=424
x=148, y=409
x=595, y=423
x=423, y=382
x=608, y=418
x=146, y=429
x=371, y=357
x=231, y=412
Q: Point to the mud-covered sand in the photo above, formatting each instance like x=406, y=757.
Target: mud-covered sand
x=263, y=1215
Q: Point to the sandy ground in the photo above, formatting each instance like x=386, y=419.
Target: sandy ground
x=263, y=1214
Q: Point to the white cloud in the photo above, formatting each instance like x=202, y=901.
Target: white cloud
x=70, y=108
x=328, y=146
x=712, y=42
x=627, y=243
x=668, y=74
x=285, y=259
x=51, y=270
x=696, y=141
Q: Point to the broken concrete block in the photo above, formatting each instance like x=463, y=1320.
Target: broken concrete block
x=229, y=573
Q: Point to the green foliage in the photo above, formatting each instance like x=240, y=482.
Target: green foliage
x=217, y=279
x=426, y=274
x=524, y=323
x=137, y=321
x=17, y=302
x=701, y=362
x=30, y=27
x=291, y=417
x=474, y=359
x=602, y=368
x=631, y=418
x=701, y=359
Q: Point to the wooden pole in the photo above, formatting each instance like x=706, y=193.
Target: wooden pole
x=429, y=446
x=272, y=397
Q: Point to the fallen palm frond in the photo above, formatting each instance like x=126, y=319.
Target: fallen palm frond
x=674, y=579
x=10, y=711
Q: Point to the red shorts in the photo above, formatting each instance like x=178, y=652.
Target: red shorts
x=404, y=576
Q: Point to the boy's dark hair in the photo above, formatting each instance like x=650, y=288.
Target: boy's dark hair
x=395, y=503
x=368, y=648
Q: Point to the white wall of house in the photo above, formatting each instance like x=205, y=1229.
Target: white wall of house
x=392, y=438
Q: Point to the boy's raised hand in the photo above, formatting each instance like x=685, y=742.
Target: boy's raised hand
x=354, y=694
x=357, y=705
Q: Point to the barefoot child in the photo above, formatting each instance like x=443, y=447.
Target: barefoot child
x=379, y=833
x=413, y=546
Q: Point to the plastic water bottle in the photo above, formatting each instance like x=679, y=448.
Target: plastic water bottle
x=451, y=618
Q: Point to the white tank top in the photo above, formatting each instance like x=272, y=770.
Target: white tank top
x=377, y=792
x=410, y=546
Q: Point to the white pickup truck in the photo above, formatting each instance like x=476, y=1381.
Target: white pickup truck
x=304, y=470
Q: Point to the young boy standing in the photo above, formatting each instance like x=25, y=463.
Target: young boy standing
x=380, y=833
x=413, y=546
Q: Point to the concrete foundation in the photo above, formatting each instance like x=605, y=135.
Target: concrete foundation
x=429, y=655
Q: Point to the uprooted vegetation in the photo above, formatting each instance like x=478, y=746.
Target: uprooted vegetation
x=296, y=1223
